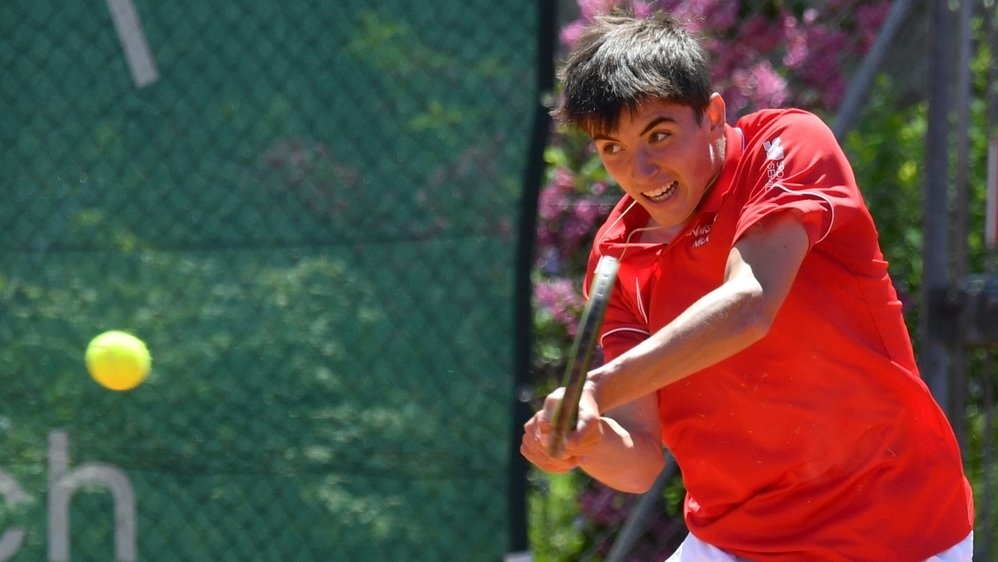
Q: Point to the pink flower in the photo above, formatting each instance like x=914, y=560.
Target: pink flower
x=592, y=8
x=561, y=299
x=703, y=15
x=642, y=9
x=759, y=83
x=759, y=34
x=869, y=19
x=578, y=226
x=571, y=33
x=550, y=203
x=796, y=42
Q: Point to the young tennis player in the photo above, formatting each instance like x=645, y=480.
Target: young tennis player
x=753, y=330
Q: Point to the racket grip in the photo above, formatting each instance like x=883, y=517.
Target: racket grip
x=557, y=445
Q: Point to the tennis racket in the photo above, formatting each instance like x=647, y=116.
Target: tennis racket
x=581, y=354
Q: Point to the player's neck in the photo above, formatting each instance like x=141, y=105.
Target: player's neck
x=653, y=233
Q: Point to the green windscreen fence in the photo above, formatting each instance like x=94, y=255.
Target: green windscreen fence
x=310, y=212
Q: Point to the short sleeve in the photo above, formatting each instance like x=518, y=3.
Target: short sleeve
x=795, y=163
x=625, y=323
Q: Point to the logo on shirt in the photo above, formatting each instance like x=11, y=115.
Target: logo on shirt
x=701, y=230
x=775, y=156
x=774, y=149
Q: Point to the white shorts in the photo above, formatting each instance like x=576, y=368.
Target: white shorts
x=695, y=550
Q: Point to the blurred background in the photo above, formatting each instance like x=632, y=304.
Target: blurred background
x=310, y=212
x=352, y=239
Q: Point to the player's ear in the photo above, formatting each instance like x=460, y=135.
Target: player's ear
x=716, y=112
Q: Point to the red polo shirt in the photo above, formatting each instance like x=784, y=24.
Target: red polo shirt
x=819, y=442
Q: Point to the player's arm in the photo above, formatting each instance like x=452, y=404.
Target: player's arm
x=760, y=270
x=633, y=459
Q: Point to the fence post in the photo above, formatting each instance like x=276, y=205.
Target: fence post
x=935, y=294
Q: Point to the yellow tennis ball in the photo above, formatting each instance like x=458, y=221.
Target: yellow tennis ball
x=118, y=360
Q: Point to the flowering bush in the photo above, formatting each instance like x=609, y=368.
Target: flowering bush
x=766, y=54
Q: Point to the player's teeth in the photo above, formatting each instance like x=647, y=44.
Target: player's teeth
x=660, y=192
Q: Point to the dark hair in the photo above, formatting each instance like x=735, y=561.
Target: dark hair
x=622, y=60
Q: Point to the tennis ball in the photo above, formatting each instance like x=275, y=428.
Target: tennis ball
x=118, y=360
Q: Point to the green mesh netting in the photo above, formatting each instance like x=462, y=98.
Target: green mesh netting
x=310, y=213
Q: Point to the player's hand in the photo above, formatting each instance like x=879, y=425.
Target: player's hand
x=537, y=434
x=588, y=432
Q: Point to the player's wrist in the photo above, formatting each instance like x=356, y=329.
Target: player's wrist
x=591, y=386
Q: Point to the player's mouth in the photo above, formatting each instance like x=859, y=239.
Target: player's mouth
x=662, y=193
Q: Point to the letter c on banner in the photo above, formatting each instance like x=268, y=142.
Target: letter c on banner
x=13, y=494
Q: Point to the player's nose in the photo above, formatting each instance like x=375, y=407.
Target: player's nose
x=643, y=166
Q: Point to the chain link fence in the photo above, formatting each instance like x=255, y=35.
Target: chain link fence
x=310, y=211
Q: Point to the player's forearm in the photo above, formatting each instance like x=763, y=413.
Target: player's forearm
x=625, y=462
x=758, y=275
x=714, y=328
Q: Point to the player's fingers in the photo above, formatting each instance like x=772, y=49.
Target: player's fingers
x=551, y=403
x=534, y=448
x=535, y=445
x=588, y=431
x=538, y=426
x=537, y=435
x=584, y=439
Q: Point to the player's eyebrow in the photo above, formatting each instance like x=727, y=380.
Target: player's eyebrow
x=651, y=125
x=656, y=122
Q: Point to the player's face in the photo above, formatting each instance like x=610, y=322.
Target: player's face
x=664, y=158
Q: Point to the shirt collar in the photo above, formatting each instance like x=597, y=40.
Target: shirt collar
x=734, y=146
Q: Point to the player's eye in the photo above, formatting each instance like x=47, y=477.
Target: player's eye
x=658, y=136
x=609, y=148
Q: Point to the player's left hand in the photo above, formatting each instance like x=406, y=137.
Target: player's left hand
x=588, y=431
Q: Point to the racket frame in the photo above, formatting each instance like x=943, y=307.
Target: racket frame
x=581, y=353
